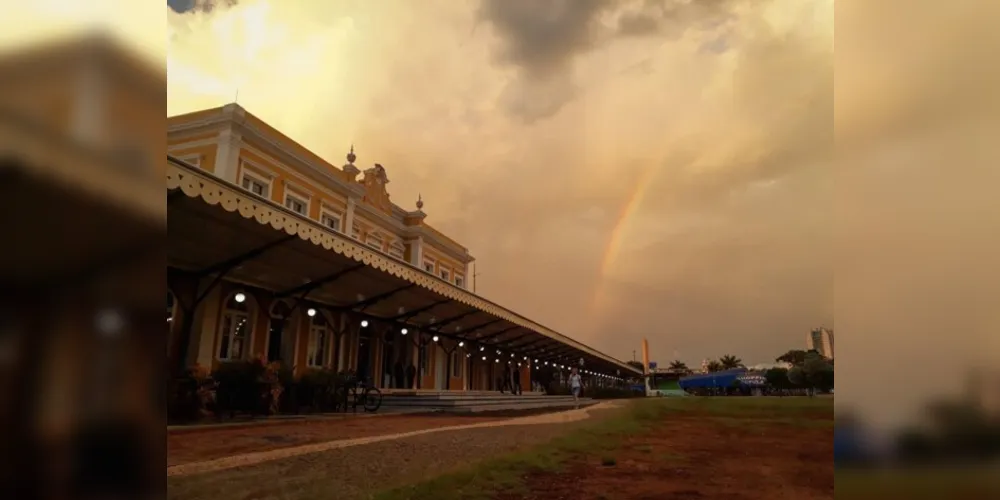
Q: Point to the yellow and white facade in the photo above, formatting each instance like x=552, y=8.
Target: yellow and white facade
x=238, y=147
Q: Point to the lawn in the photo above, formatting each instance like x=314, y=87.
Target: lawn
x=698, y=447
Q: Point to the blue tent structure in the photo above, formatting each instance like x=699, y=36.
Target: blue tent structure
x=720, y=379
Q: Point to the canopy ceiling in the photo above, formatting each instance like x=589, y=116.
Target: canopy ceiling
x=213, y=226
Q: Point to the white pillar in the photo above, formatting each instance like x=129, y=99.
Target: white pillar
x=227, y=155
x=417, y=252
x=349, y=217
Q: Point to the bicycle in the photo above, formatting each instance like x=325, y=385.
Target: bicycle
x=357, y=390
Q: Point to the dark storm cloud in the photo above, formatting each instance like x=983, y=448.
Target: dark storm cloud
x=542, y=38
x=206, y=6
x=671, y=18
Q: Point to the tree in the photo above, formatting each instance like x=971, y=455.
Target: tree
x=777, y=378
x=818, y=372
x=714, y=366
x=795, y=357
x=679, y=366
x=815, y=372
x=729, y=362
x=797, y=377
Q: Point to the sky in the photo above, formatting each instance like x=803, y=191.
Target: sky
x=651, y=168
x=620, y=170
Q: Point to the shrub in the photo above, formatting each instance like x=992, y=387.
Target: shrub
x=254, y=387
x=191, y=395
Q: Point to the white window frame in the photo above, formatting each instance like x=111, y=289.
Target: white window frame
x=445, y=275
x=356, y=231
x=375, y=235
x=324, y=211
x=297, y=196
x=235, y=314
x=318, y=325
x=397, y=250
x=431, y=263
x=260, y=179
x=460, y=281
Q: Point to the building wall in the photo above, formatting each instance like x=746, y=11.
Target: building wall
x=821, y=340
x=285, y=166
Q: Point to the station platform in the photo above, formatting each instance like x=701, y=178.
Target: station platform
x=474, y=401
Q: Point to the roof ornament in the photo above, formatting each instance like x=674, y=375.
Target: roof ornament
x=351, y=156
x=420, y=202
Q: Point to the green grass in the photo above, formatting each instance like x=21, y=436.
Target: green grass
x=602, y=439
x=507, y=473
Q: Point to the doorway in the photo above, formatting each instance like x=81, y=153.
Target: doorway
x=364, y=356
x=440, y=375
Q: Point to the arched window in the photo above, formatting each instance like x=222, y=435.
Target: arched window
x=281, y=309
x=235, y=328
x=276, y=342
x=319, y=342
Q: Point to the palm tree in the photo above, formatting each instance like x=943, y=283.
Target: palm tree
x=679, y=366
x=729, y=362
x=714, y=366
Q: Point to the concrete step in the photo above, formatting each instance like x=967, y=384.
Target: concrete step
x=532, y=406
x=464, y=397
x=509, y=402
x=458, y=401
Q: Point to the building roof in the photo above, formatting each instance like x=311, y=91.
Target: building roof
x=211, y=221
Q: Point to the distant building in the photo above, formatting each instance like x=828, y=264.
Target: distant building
x=821, y=340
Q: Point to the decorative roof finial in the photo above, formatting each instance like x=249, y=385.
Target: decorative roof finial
x=351, y=156
x=420, y=202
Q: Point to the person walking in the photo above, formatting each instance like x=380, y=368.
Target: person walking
x=575, y=385
x=507, y=379
x=515, y=376
x=411, y=376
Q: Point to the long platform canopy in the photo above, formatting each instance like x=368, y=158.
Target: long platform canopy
x=214, y=227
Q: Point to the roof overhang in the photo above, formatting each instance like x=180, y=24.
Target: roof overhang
x=78, y=216
x=213, y=223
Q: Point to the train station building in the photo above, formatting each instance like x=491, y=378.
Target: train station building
x=275, y=253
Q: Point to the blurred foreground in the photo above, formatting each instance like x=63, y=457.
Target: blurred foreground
x=81, y=326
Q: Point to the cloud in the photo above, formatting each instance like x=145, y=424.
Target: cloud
x=205, y=6
x=674, y=17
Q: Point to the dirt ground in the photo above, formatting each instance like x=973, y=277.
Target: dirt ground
x=696, y=457
x=359, y=472
x=186, y=446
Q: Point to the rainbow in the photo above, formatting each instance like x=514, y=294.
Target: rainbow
x=620, y=232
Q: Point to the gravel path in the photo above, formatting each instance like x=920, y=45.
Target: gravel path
x=246, y=459
x=349, y=473
x=357, y=471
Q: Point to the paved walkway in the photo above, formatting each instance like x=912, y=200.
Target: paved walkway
x=270, y=455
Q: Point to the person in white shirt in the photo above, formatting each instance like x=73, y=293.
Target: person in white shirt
x=575, y=384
